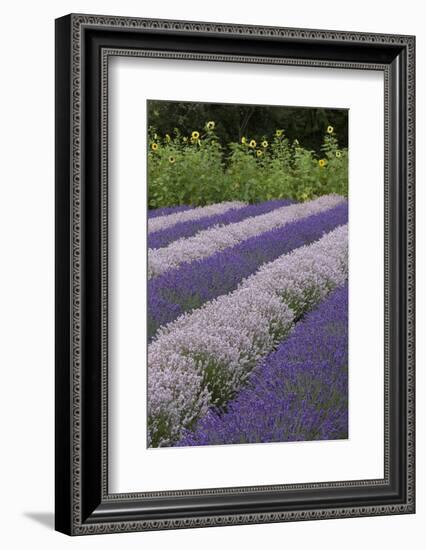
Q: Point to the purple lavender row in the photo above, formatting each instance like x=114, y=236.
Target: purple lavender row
x=167, y=210
x=192, y=284
x=189, y=228
x=298, y=393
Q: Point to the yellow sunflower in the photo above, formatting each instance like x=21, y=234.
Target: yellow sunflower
x=154, y=146
x=259, y=153
x=330, y=129
x=168, y=138
x=210, y=125
x=252, y=144
x=338, y=154
x=265, y=143
x=172, y=160
x=278, y=133
x=195, y=135
x=243, y=140
x=322, y=163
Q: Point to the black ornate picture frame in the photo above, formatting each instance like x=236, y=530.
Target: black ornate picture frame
x=84, y=44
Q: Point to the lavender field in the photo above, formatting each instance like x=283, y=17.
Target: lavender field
x=248, y=322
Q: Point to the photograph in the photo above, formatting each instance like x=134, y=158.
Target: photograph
x=247, y=268
x=213, y=250
x=234, y=273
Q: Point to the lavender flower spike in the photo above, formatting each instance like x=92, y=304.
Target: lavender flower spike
x=212, y=240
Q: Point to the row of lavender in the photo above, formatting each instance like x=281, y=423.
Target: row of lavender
x=298, y=393
x=158, y=212
x=189, y=227
x=179, y=214
x=193, y=283
x=217, y=316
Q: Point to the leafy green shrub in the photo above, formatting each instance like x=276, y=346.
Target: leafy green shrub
x=197, y=170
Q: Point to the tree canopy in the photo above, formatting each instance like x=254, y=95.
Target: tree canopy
x=233, y=121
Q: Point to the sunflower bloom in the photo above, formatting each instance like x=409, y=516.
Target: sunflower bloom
x=172, y=160
x=278, y=133
x=252, y=144
x=259, y=153
x=210, y=125
x=322, y=163
x=168, y=138
x=338, y=154
x=330, y=129
x=243, y=140
x=265, y=144
x=195, y=135
x=154, y=146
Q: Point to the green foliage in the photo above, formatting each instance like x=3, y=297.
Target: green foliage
x=233, y=121
x=197, y=170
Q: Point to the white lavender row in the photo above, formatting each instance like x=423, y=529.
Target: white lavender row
x=213, y=240
x=161, y=222
x=202, y=359
x=305, y=277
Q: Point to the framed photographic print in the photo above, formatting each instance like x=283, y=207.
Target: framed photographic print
x=234, y=274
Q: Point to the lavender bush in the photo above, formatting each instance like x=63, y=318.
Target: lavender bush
x=164, y=237
x=193, y=283
x=205, y=243
x=202, y=359
x=298, y=393
x=161, y=222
